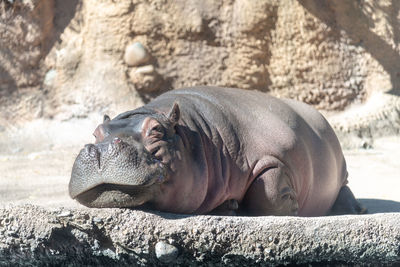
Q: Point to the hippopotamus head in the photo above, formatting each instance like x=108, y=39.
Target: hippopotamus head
x=132, y=156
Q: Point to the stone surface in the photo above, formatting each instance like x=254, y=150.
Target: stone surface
x=32, y=235
x=331, y=54
x=362, y=124
x=135, y=54
x=145, y=79
x=25, y=39
x=165, y=252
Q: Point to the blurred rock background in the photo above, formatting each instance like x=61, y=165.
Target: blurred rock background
x=67, y=59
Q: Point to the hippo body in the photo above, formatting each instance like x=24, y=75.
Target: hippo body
x=206, y=149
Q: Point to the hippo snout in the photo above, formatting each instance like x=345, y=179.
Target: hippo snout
x=91, y=151
x=111, y=167
x=102, y=153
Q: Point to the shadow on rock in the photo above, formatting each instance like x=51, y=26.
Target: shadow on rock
x=358, y=27
x=7, y=83
x=164, y=215
x=380, y=205
x=64, y=12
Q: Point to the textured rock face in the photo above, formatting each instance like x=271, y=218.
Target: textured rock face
x=25, y=30
x=31, y=235
x=72, y=54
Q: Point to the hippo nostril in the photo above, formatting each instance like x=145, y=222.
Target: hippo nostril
x=89, y=149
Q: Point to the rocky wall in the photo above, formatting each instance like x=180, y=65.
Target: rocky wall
x=66, y=59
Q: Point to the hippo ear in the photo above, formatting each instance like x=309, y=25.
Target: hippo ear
x=174, y=114
x=106, y=118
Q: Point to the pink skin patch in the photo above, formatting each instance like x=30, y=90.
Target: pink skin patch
x=99, y=133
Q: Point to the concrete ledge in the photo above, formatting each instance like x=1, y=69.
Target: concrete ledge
x=33, y=235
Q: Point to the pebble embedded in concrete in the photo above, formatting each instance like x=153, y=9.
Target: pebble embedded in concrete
x=165, y=252
x=97, y=220
x=136, y=54
x=64, y=213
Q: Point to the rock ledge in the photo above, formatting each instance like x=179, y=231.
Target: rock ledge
x=31, y=235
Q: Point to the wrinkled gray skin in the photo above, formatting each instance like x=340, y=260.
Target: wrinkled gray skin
x=216, y=150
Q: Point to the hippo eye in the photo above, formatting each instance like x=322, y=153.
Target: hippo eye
x=157, y=128
x=156, y=131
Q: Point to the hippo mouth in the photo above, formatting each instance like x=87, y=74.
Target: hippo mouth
x=115, y=196
x=114, y=174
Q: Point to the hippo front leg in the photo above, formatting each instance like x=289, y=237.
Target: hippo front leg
x=271, y=193
x=346, y=203
x=228, y=208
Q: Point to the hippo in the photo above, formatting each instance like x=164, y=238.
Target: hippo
x=211, y=150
